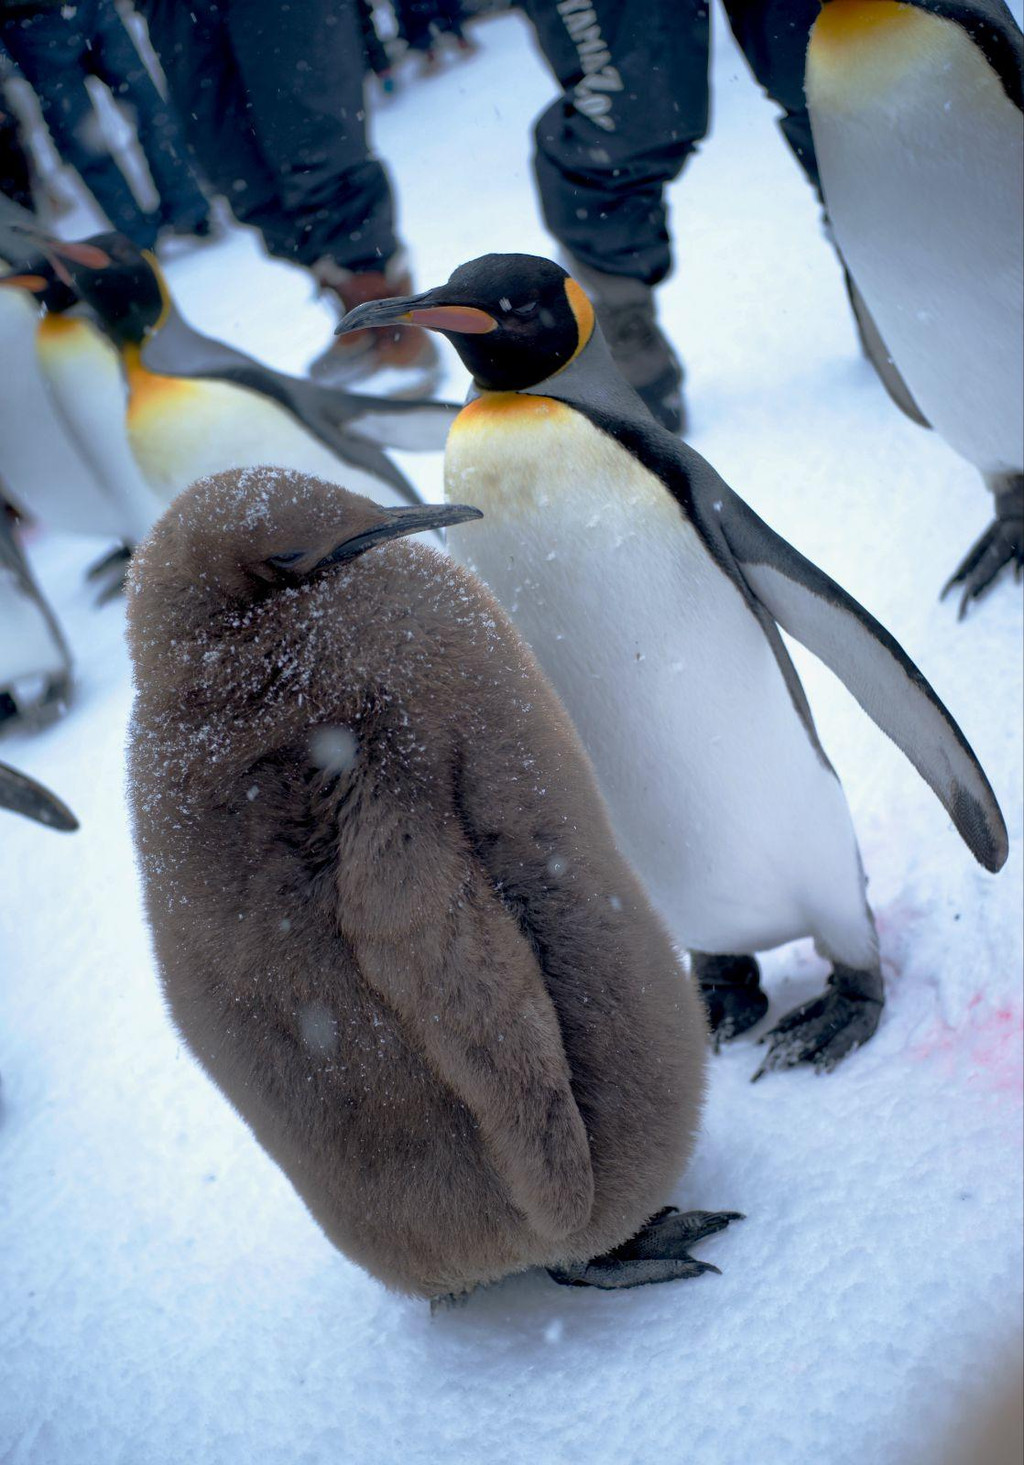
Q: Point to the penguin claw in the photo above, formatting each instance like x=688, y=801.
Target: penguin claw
x=731, y=992
x=1001, y=544
x=659, y=1252
x=823, y=1031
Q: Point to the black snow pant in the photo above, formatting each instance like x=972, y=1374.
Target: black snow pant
x=272, y=96
x=417, y=20
x=635, y=105
x=56, y=49
x=15, y=176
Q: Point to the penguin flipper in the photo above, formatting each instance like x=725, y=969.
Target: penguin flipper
x=867, y=659
x=478, y=1008
x=19, y=234
x=413, y=425
x=23, y=795
x=177, y=349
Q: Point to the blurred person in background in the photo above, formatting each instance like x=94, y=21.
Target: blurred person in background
x=15, y=170
x=56, y=48
x=634, y=106
x=423, y=24
x=272, y=96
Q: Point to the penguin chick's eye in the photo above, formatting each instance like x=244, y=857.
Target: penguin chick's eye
x=282, y=561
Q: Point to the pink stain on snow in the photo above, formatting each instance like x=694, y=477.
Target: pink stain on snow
x=990, y=1041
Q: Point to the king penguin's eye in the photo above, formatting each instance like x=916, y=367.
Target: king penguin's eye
x=525, y=311
x=282, y=561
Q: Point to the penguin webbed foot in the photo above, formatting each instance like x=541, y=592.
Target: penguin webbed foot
x=659, y=1252
x=827, y=1028
x=1001, y=544
x=449, y=1301
x=110, y=573
x=730, y=987
x=40, y=711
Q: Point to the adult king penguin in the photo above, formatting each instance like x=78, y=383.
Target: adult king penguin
x=389, y=913
x=48, y=470
x=916, y=114
x=197, y=406
x=653, y=596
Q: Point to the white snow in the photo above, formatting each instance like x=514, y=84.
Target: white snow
x=164, y=1296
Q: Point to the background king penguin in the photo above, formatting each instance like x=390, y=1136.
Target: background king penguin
x=653, y=596
x=388, y=910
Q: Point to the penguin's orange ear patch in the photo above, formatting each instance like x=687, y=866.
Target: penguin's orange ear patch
x=583, y=312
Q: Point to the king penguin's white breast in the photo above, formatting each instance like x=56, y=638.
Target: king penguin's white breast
x=39, y=463
x=717, y=796
x=83, y=375
x=922, y=164
x=181, y=430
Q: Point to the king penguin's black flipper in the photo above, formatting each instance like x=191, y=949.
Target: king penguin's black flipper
x=866, y=658
x=19, y=234
x=23, y=795
x=331, y=414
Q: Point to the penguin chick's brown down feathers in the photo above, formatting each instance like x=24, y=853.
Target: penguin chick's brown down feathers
x=387, y=907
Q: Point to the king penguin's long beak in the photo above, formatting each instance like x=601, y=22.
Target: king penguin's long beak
x=397, y=525
x=428, y=310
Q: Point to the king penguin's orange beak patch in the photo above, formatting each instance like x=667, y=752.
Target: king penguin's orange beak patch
x=35, y=283
x=465, y=320
x=83, y=254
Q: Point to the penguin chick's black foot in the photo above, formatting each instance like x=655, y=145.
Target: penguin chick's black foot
x=731, y=989
x=824, y=1030
x=1001, y=544
x=657, y=1253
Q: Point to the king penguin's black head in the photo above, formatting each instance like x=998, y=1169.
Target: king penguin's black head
x=122, y=284
x=515, y=319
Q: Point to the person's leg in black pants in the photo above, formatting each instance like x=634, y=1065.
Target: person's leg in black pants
x=50, y=49
x=114, y=58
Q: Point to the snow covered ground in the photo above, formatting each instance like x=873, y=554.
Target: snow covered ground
x=164, y=1296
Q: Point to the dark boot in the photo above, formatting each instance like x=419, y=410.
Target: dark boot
x=627, y=316
x=406, y=350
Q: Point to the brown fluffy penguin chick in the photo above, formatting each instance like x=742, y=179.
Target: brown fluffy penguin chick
x=387, y=907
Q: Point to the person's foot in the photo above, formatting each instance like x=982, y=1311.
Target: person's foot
x=627, y=316
x=406, y=353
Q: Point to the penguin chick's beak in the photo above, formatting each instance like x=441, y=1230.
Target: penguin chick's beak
x=418, y=310
x=397, y=525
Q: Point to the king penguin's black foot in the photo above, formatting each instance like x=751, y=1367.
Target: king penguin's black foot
x=1001, y=544
x=658, y=1253
x=825, y=1029
x=449, y=1301
x=110, y=573
x=731, y=989
x=40, y=710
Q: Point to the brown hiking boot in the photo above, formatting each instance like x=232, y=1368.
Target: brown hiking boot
x=406, y=352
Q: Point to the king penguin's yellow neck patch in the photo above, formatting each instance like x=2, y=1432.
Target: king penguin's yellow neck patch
x=583, y=313
x=148, y=392
x=846, y=23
